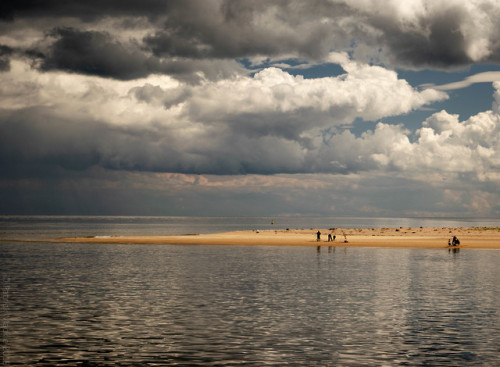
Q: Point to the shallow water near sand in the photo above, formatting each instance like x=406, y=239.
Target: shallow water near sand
x=157, y=305
x=29, y=227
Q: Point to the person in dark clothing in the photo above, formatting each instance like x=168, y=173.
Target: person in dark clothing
x=318, y=236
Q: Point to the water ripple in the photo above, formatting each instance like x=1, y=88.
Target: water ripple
x=112, y=305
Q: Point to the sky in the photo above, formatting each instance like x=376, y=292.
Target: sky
x=250, y=107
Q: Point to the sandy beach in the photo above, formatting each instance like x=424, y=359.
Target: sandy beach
x=472, y=237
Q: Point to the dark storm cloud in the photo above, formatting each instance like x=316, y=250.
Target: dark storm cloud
x=57, y=145
x=87, y=10
x=52, y=146
x=97, y=53
x=440, y=46
x=208, y=28
x=180, y=34
x=5, y=53
x=237, y=29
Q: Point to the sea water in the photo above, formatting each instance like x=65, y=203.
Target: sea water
x=168, y=305
x=33, y=227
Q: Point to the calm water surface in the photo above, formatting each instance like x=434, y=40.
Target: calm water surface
x=29, y=227
x=167, y=305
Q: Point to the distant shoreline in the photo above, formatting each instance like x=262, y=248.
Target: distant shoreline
x=423, y=237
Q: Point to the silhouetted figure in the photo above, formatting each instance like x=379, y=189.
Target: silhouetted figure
x=455, y=241
x=318, y=236
x=329, y=237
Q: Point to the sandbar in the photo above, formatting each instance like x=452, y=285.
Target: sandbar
x=423, y=237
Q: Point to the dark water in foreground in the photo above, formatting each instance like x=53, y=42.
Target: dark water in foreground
x=159, y=305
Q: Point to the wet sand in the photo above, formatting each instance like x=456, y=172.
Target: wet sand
x=473, y=237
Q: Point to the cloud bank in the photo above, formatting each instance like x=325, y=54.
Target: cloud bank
x=268, y=123
x=185, y=102
x=189, y=38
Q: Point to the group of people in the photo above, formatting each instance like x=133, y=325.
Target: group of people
x=331, y=237
x=454, y=241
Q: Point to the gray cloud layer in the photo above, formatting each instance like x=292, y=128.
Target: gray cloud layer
x=177, y=36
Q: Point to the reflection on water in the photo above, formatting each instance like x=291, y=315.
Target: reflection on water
x=128, y=305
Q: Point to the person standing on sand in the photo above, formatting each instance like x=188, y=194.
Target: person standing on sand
x=318, y=236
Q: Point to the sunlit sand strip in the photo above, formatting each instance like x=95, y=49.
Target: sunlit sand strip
x=474, y=237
